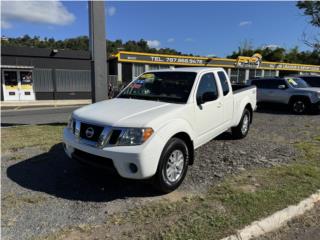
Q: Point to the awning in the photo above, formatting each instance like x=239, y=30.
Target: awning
x=16, y=67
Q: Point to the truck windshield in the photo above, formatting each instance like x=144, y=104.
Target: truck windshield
x=297, y=83
x=172, y=87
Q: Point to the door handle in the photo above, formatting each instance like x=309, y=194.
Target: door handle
x=219, y=104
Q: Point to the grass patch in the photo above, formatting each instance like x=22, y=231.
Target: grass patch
x=12, y=201
x=74, y=233
x=229, y=206
x=18, y=156
x=43, y=136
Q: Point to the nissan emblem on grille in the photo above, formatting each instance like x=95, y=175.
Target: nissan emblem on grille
x=89, y=132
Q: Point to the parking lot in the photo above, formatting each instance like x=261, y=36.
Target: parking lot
x=44, y=192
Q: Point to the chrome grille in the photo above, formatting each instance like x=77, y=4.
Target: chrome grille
x=102, y=136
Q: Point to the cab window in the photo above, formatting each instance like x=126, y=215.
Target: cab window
x=207, y=87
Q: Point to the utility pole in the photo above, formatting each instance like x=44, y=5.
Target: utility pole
x=98, y=51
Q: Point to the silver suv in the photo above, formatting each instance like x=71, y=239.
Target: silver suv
x=292, y=91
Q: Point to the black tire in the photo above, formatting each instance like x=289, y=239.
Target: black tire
x=161, y=180
x=299, y=105
x=241, y=130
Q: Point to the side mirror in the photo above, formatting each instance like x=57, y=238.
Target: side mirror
x=199, y=100
x=282, y=86
x=206, y=97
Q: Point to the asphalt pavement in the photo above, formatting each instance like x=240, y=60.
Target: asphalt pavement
x=42, y=115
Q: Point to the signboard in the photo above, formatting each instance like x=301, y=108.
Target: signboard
x=291, y=67
x=249, y=62
x=173, y=60
x=242, y=62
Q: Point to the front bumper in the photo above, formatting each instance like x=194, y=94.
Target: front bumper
x=316, y=106
x=145, y=157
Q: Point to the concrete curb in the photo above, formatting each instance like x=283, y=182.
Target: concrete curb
x=276, y=220
x=18, y=105
x=45, y=103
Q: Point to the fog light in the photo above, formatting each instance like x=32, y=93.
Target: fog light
x=133, y=167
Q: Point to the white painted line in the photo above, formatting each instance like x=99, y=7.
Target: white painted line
x=276, y=220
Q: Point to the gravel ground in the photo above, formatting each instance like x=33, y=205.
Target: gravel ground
x=46, y=192
x=305, y=227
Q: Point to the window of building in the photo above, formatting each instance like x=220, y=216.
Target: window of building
x=164, y=67
x=224, y=83
x=10, y=78
x=241, y=76
x=157, y=67
x=269, y=73
x=26, y=78
x=234, y=75
x=238, y=75
x=137, y=69
x=154, y=67
x=258, y=73
x=255, y=73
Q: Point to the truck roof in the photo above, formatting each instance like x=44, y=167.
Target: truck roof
x=188, y=69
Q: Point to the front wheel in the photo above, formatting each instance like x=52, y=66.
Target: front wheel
x=299, y=106
x=173, y=166
x=242, y=129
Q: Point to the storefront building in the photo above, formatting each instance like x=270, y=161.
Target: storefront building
x=51, y=74
x=132, y=64
x=41, y=74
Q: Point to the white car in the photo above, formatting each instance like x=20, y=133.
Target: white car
x=151, y=129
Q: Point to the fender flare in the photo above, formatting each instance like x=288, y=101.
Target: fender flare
x=180, y=128
x=245, y=103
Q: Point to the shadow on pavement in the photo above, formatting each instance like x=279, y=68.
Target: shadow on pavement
x=280, y=109
x=55, y=174
x=225, y=136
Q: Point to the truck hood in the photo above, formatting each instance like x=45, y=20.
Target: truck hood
x=120, y=112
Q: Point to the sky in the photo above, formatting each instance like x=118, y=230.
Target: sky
x=202, y=28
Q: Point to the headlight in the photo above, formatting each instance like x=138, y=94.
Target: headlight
x=135, y=136
x=70, y=123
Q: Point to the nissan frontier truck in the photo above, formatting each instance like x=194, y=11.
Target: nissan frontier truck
x=152, y=128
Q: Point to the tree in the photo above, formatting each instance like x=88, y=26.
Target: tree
x=312, y=10
x=281, y=55
x=82, y=43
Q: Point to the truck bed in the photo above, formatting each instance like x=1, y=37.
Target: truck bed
x=242, y=95
x=237, y=88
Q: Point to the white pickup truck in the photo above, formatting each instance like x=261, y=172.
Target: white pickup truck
x=151, y=129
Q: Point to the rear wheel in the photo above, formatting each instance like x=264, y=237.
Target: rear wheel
x=173, y=166
x=242, y=129
x=299, y=106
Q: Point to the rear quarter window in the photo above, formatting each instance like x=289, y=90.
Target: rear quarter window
x=224, y=83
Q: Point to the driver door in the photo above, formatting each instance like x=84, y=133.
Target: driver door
x=278, y=94
x=209, y=114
